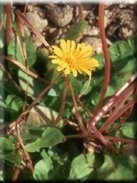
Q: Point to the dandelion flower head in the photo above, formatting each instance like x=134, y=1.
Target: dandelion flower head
x=74, y=58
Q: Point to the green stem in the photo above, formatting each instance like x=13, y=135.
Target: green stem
x=75, y=136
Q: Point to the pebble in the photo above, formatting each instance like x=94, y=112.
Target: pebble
x=60, y=15
x=94, y=42
x=36, y=21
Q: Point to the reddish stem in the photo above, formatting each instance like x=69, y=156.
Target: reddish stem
x=99, y=135
x=8, y=23
x=111, y=101
x=117, y=139
x=128, y=141
x=120, y=112
x=106, y=55
x=126, y=95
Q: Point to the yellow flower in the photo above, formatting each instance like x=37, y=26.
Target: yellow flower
x=74, y=58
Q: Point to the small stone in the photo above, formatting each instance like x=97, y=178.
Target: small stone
x=60, y=15
x=91, y=31
x=36, y=21
x=36, y=41
x=94, y=42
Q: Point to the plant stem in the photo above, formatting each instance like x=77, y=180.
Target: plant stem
x=112, y=100
x=106, y=55
x=120, y=112
x=63, y=101
x=34, y=75
x=35, y=31
x=99, y=135
x=82, y=127
x=117, y=139
x=115, y=114
x=75, y=136
x=8, y=22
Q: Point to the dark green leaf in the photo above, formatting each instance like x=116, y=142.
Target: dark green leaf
x=132, y=42
x=49, y=138
x=12, y=157
x=14, y=102
x=6, y=144
x=131, y=151
x=14, y=51
x=14, y=105
x=35, y=86
x=117, y=167
x=129, y=129
x=42, y=169
x=82, y=168
x=75, y=30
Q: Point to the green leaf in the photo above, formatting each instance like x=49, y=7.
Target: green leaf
x=1, y=175
x=129, y=129
x=42, y=169
x=61, y=161
x=42, y=54
x=75, y=30
x=12, y=157
x=49, y=138
x=131, y=151
x=35, y=86
x=41, y=115
x=117, y=167
x=14, y=105
x=123, y=65
x=14, y=51
x=82, y=168
x=6, y=144
x=14, y=102
x=132, y=42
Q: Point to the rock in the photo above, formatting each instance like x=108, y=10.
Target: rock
x=91, y=31
x=94, y=42
x=60, y=15
x=86, y=9
x=120, y=20
x=36, y=21
x=36, y=41
x=58, y=33
x=37, y=10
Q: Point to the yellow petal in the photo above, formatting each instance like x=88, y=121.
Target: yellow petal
x=59, y=68
x=80, y=71
x=67, y=71
x=52, y=56
x=55, y=61
x=68, y=46
x=91, y=63
x=57, y=51
x=63, y=45
x=73, y=46
x=86, y=52
x=86, y=71
x=64, y=64
x=74, y=72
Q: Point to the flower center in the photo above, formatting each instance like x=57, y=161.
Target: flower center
x=69, y=59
